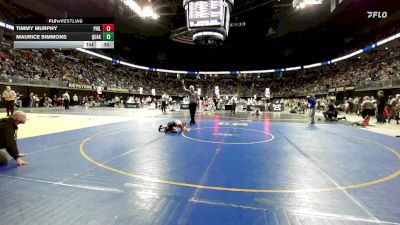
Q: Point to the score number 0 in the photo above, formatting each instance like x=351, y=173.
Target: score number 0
x=108, y=27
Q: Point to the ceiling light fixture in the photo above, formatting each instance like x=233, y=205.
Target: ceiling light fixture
x=146, y=12
x=301, y=4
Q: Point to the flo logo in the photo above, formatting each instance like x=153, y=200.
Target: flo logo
x=377, y=14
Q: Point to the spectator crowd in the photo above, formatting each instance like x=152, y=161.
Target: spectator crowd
x=53, y=66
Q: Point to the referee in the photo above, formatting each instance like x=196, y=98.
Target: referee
x=9, y=97
x=193, y=98
x=164, y=99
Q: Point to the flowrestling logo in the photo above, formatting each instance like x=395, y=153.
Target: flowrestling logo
x=377, y=14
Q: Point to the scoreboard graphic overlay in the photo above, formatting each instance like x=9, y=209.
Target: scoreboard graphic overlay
x=88, y=33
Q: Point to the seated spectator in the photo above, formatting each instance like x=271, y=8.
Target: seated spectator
x=394, y=109
x=331, y=113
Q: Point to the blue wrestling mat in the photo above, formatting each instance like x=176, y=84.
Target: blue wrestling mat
x=223, y=171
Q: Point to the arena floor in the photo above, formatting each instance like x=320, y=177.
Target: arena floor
x=112, y=166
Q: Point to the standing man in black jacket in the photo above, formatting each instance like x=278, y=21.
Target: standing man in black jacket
x=66, y=99
x=8, y=128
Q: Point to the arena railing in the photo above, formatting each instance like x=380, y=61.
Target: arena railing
x=52, y=83
x=382, y=84
x=22, y=81
x=335, y=60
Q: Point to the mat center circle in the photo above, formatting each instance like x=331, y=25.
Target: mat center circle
x=228, y=135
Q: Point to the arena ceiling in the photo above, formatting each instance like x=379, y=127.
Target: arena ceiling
x=275, y=35
x=264, y=13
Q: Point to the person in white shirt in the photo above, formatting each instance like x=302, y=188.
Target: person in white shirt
x=394, y=109
x=75, y=100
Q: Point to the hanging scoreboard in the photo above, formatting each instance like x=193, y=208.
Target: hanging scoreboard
x=88, y=33
x=208, y=19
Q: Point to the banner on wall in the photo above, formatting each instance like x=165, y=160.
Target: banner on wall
x=80, y=86
x=339, y=89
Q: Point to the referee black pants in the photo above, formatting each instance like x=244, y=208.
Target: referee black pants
x=192, y=109
x=379, y=116
x=9, y=107
x=66, y=103
x=163, y=106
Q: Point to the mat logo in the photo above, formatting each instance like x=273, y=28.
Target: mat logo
x=277, y=107
x=226, y=134
x=233, y=124
x=377, y=14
